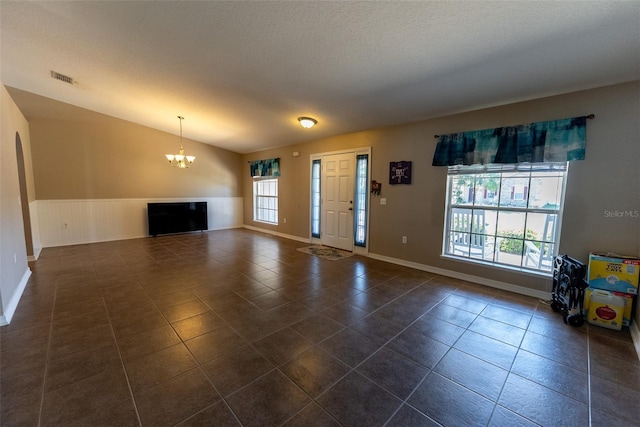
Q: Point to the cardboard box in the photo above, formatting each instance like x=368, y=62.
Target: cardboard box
x=615, y=273
x=626, y=311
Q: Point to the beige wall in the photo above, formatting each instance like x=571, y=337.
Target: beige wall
x=13, y=252
x=94, y=157
x=608, y=179
x=294, y=185
x=86, y=155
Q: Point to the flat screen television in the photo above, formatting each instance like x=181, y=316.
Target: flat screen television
x=179, y=217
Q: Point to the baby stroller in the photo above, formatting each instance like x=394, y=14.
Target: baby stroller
x=569, y=287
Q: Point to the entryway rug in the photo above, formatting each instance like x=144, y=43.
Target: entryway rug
x=325, y=252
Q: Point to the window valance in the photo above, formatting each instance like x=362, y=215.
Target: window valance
x=265, y=168
x=551, y=141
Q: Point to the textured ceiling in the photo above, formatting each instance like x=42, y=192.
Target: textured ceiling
x=242, y=72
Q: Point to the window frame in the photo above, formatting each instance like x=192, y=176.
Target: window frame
x=361, y=201
x=316, y=195
x=259, y=182
x=364, y=249
x=553, y=218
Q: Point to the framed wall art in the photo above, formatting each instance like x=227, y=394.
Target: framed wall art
x=376, y=187
x=400, y=172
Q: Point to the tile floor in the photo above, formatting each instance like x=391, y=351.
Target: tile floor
x=236, y=327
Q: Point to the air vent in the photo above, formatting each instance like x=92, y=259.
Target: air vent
x=61, y=77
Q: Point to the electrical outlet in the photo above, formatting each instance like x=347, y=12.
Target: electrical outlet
x=404, y=239
x=15, y=258
x=285, y=220
x=65, y=225
x=383, y=201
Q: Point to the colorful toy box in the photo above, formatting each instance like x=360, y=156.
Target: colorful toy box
x=614, y=273
x=608, y=309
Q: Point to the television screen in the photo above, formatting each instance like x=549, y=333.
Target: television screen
x=178, y=217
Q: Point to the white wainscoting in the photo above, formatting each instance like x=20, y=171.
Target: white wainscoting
x=71, y=222
x=35, y=230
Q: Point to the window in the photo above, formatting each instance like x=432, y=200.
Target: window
x=265, y=200
x=360, y=220
x=315, y=198
x=505, y=215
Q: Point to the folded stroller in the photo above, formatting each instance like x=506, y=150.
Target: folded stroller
x=567, y=296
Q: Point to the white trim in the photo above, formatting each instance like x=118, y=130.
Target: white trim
x=135, y=199
x=311, y=160
x=35, y=256
x=256, y=195
x=369, y=166
x=35, y=231
x=361, y=150
x=356, y=151
x=361, y=250
x=8, y=313
x=436, y=270
x=635, y=336
x=316, y=241
x=467, y=277
x=276, y=233
x=546, y=275
x=453, y=171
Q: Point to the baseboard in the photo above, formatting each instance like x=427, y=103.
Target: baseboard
x=635, y=336
x=35, y=256
x=467, y=277
x=633, y=328
x=276, y=233
x=6, y=317
x=436, y=270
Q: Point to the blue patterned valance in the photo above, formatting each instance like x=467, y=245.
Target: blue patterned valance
x=553, y=141
x=265, y=168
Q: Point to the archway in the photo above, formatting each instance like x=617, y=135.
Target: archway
x=24, y=199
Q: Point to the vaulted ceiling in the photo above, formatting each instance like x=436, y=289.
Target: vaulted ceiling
x=241, y=72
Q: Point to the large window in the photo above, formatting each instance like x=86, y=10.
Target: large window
x=506, y=215
x=265, y=200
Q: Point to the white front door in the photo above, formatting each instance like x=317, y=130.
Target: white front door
x=337, y=200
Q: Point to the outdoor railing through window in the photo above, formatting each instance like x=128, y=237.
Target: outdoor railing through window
x=505, y=214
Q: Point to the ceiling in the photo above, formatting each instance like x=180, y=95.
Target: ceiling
x=242, y=72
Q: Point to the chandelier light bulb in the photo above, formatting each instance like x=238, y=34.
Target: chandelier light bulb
x=178, y=160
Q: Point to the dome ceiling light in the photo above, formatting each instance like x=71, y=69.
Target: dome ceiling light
x=307, y=122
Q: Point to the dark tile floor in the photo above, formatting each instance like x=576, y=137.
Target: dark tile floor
x=236, y=327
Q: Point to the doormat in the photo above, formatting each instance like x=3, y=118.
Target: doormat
x=325, y=252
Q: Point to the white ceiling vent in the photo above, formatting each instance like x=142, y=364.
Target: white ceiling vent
x=61, y=77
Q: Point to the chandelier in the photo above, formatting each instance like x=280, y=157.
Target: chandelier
x=180, y=160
